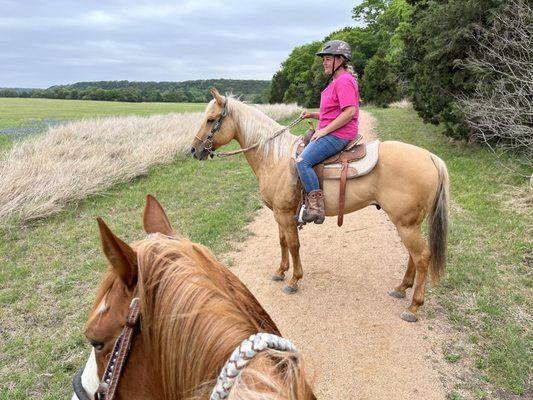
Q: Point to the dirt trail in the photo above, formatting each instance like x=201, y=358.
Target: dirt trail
x=342, y=318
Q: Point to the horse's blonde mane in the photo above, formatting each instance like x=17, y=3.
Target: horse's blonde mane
x=257, y=127
x=194, y=313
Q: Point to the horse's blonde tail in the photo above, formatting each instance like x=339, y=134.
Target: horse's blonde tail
x=438, y=221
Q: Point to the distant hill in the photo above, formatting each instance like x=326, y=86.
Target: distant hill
x=256, y=91
x=241, y=87
x=18, y=90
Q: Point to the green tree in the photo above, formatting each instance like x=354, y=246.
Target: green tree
x=387, y=21
x=380, y=84
x=301, y=78
x=154, y=96
x=8, y=93
x=442, y=35
x=280, y=84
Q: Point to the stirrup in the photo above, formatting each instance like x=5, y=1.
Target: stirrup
x=299, y=217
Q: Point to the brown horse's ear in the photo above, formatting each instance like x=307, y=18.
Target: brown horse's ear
x=218, y=97
x=119, y=254
x=155, y=219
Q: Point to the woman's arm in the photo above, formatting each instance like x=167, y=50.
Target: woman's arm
x=344, y=117
x=306, y=114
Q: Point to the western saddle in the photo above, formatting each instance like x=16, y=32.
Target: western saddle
x=336, y=167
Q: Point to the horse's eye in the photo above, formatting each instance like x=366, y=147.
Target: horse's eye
x=210, y=120
x=97, y=345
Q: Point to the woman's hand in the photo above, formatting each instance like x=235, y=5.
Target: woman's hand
x=305, y=114
x=318, y=134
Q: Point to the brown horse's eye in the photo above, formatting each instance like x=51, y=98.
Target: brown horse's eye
x=97, y=345
x=210, y=120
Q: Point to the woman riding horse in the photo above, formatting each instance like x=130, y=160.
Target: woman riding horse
x=408, y=183
x=338, y=123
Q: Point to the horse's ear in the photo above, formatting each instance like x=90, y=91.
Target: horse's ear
x=119, y=254
x=218, y=97
x=155, y=219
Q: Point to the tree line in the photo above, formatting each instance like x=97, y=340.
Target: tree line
x=466, y=64
x=196, y=91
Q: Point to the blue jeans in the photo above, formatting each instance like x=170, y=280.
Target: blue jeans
x=316, y=152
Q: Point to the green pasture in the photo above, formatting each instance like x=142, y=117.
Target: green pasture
x=19, y=117
x=15, y=113
x=49, y=270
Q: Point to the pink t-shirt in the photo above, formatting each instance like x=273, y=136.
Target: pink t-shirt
x=339, y=94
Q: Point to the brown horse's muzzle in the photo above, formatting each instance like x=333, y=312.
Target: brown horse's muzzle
x=198, y=150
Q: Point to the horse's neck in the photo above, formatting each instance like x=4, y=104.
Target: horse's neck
x=262, y=163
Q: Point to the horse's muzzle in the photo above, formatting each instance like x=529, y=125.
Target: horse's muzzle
x=200, y=154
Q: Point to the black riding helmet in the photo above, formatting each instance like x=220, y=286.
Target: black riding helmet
x=336, y=48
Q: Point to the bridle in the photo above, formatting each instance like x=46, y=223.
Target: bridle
x=208, y=141
x=117, y=358
x=109, y=383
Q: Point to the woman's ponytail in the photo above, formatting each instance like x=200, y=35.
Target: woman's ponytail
x=350, y=69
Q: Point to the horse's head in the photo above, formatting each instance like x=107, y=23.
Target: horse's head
x=217, y=127
x=115, y=294
x=193, y=313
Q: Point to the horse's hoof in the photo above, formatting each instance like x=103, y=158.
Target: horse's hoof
x=409, y=316
x=397, y=294
x=278, y=278
x=290, y=289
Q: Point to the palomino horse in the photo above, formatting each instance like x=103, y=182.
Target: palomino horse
x=408, y=183
x=193, y=313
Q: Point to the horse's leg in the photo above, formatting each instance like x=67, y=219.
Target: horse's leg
x=290, y=232
x=407, y=281
x=279, y=275
x=420, y=254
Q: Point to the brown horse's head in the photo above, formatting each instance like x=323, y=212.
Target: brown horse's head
x=113, y=298
x=217, y=127
x=194, y=312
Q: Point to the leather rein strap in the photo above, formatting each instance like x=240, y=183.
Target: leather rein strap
x=208, y=141
x=113, y=370
x=275, y=135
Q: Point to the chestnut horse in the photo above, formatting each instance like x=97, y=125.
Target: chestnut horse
x=193, y=313
x=408, y=183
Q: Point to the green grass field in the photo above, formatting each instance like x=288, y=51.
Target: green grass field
x=15, y=113
x=21, y=116
x=49, y=270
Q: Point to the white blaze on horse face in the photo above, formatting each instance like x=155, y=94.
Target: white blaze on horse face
x=103, y=306
x=89, y=378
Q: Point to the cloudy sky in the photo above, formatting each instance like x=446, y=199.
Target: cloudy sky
x=44, y=43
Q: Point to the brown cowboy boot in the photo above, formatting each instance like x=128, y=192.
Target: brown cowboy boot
x=315, y=207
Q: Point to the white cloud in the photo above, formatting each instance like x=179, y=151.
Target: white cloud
x=98, y=18
x=61, y=41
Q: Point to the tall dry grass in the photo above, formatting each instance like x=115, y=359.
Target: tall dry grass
x=40, y=175
x=279, y=111
x=404, y=103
